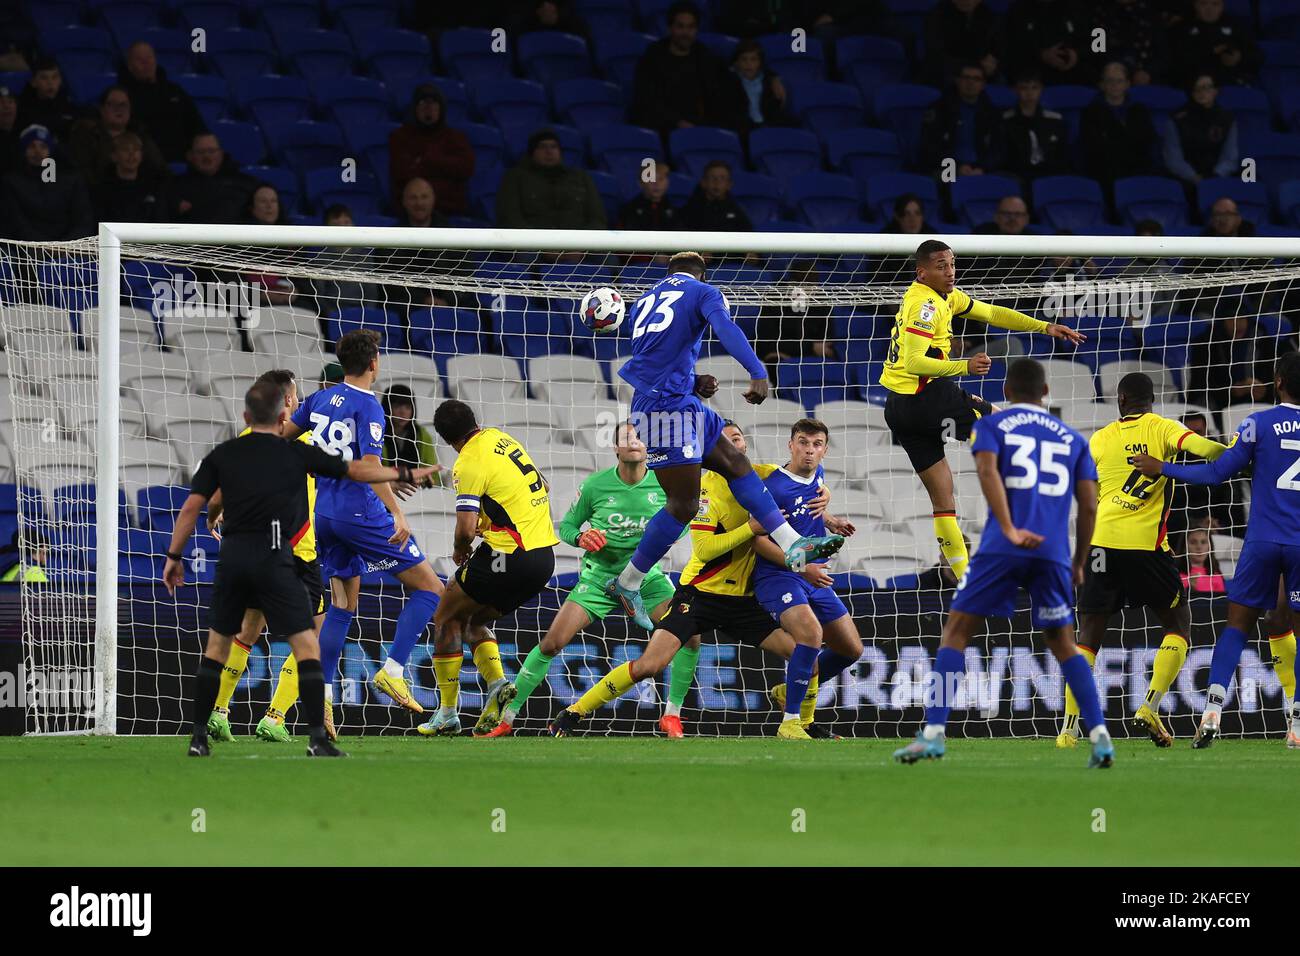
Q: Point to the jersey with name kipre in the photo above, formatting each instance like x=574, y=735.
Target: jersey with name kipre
x=347, y=421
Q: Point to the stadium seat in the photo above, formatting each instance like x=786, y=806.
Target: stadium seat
x=975, y=198
x=194, y=424
x=798, y=68
x=467, y=53
x=418, y=372
x=1277, y=156
x=823, y=199
x=759, y=195
x=827, y=107
x=211, y=94
x=1152, y=197
x=306, y=144
x=1249, y=107
x=528, y=332
x=283, y=20
x=363, y=20
x=489, y=145
x=387, y=324
x=442, y=331
x=620, y=149
x=1072, y=203
x=1161, y=101
x=869, y=62
x=617, y=55
x=274, y=100
x=80, y=49
x=882, y=190
x=587, y=103
x=813, y=381
x=1110, y=374
x=211, y=15
x=1070, y=101
x=1234, y=415
x=484, y=381
x=243, y=141
x=351, y=100
x=550, y=57
x=511, y=102
x=573, y=145
x=1251, y=198
x=1288, y=201
x=1068, y=381
x=901, y=107
x=238, y=53
x=782, y=153
x=325, y=187
x=172, y=48
x=692, y=149
x=862, y=153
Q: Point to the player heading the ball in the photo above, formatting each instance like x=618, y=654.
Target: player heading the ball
x=682, y=434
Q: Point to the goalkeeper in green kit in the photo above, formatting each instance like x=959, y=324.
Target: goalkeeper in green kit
x=615, y=504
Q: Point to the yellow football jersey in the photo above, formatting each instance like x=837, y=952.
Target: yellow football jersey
x=1132, y=510
x=304, y=539
x=730, y=573
x=494, y=476
x=924, y=324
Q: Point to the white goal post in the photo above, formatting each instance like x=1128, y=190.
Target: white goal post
x=857, y=282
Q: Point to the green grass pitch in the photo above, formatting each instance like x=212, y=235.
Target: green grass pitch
x=602, y=801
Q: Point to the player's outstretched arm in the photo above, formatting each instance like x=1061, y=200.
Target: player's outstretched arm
x=1085, y=493
x=986, y=466
x=738, y=347
x=174, y=570
x=1232, y=460
x=1004, y=318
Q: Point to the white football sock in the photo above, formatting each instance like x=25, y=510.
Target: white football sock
x=785, y=536
x=672, y=710
x=392, y=668
x=631, y=577
x=933, y=731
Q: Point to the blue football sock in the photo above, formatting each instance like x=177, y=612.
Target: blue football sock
x=1226, y=657
x=333, y=635
x=798, y=672
x=660, y=533
x=754, y=497
x=829, y=665
x=1078, y=677
x=415, y=617
x=948, y=663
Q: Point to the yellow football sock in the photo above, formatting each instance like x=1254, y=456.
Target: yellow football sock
x=610, y=687
x=951, y=543
x=808, y=709
x=1169, y=661
x=487, y=658
x=234, y=669
x=1072, y=705
x=1283, y=650
x=286, y=688
x=446, y=667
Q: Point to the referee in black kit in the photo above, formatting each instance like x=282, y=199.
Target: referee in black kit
x=263, y=480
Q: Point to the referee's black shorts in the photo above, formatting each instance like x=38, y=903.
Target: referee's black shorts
x=1116, y=578
x=921, y=422
x=739, y=619
x=252, y=574
x=309, y=574
x=506, y=581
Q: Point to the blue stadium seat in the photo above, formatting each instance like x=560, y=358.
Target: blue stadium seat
x=691, y=149
x=901, y=107
x=550, y=57
x=1251, y=198
x=127, y=20
x=795, y=68
x=350, y=100
x=361, y=137
x=862, y=153
x=453, y=92
x=394, y=52
x=868, y=62
x=1151, y=197
x=318, y=53
x=811, y=381
x=653, y=15
x=588, y=103
x=88, y=87
x=511, y=102
x=210, y=15
x=907, y=17
x=210, y=93
x=158, y=505
x=528, y=332
x=305, y=145
x=80, y=47
x=620, y=149
x=489, y=145
x=354, y=317
x=1070, y=101
x=759, y=195
x=360, y=21
x=719, y=44
x=1277, y=156
x=324, y=187
x=1279, y=18
x=1072, y=203
x=882, y=190
x=282, y=20
x=1288, y=202
x=826, y=107
x=976, y=197
x=782, y=153
x=617, y=55
x=442, y=331
x=1160, y=100
x=239, y=53
x=823, y=199
x=605, y=15
x=1249, y=107
x=285, y=182
x=272, y=100
x=467, y=53
x=613, y=193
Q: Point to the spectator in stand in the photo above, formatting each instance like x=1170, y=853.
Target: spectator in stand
x=795, y=328
x=159, y=105
x=556, y=15
x=45, y=101
x=1136, y=35
x=212, y=189
x=1053, y=37
x=43, y=208
x=93, y=138
x=1200, y=139
x=330, y=295
x=264, y=209
x=425, y=146
x=419, y=211
x=1206, y=506
x=1035, y=141
x=958, y=32
x=1011, y=218
x=129, y=191
x=650, y=210
x=30, y=570
x=1224, y=220
x=679, y=83
x=963, y=126
x=540, y=192
x=1117, y=135
x=406, y=441
x=1200, y=571
x=758, y=93
x=418, y=205
x=711, y=208
x=10, y=155
x=1233, y=363
x=909, y=217
x=1209, y=40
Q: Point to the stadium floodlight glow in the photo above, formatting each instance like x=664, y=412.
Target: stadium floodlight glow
x=126, y=359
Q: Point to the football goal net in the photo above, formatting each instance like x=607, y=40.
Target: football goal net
x=127, y=357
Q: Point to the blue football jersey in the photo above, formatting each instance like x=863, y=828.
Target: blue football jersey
x=792, y=494
x=348, y=421
x=668, y=325
x=1270, y=440
x=1040, y=459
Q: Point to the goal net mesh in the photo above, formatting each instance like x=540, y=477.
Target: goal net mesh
x=500, y=330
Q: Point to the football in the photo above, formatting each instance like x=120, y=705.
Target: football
x=602, y=310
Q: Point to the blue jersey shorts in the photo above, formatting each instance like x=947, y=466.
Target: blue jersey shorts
x=781, y=591
x=349, y=549
x=1261, y=563
x=992, y=581
x=676, y=431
